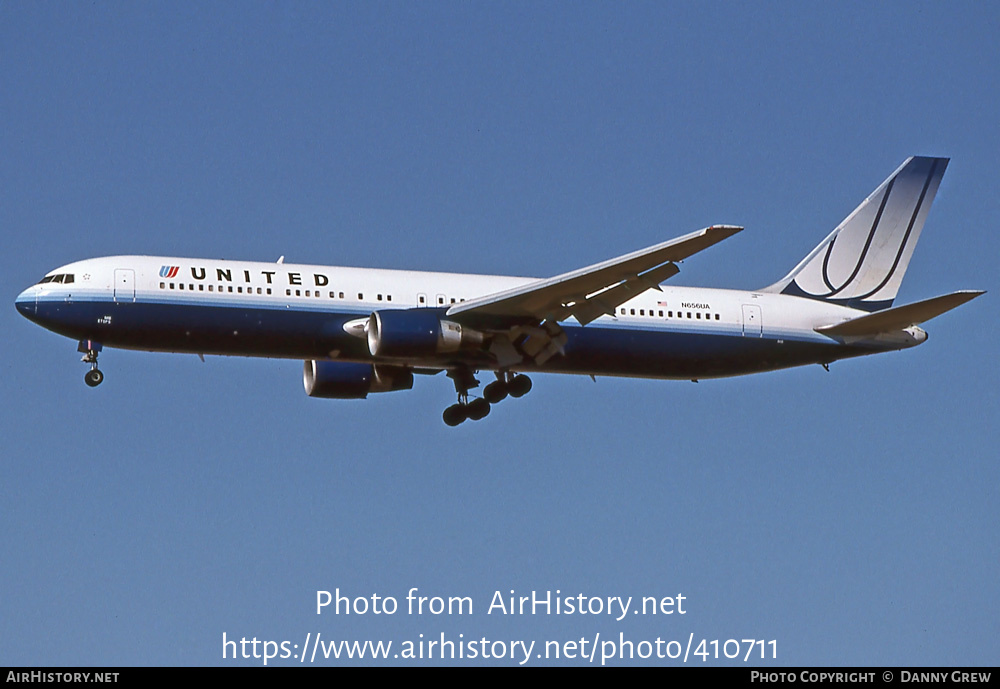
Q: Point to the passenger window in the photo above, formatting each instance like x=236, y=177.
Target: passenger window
x=361, y=297
x=162, y=285
x=716, y=316
x=380, y=297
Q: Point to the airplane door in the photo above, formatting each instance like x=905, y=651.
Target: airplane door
x=751, y=321
x=124, y=285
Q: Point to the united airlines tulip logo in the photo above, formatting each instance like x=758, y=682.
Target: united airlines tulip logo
x=168, y=271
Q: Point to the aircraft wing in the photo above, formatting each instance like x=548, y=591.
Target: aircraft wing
x=900, y=317
x=591, y=292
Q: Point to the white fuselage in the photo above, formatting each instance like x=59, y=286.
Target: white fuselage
x=210, y=306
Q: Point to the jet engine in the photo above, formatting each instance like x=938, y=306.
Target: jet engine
x=416, y=333
x=343, y=380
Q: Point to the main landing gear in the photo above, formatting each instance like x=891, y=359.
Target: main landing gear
x=507, y=383
x=90, y=350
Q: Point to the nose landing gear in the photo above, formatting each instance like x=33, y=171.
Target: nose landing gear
x=90, y=350
x=93, y=377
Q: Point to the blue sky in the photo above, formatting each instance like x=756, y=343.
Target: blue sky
x=851, y=516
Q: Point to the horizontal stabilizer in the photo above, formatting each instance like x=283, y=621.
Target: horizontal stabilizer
x=899, y=318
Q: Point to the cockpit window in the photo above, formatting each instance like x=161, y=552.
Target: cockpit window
x=65, y=278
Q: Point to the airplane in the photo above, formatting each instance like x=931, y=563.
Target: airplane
x=361, y=330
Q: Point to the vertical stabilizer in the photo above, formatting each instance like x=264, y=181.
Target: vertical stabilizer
x=862, y=262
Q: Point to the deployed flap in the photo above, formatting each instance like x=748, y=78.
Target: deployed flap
x=605, y=301
x=590, y=292
x=900, y=317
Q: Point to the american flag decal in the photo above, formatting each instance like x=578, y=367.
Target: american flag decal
x=169, y=271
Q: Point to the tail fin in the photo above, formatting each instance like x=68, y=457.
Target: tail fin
x=861, y=263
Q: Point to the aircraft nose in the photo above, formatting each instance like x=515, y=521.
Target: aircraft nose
x=25, y=303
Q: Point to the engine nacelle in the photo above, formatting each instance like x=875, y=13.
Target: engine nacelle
x=343, y=380
x=416, y=333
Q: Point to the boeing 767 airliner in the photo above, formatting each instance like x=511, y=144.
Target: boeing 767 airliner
x=363, y=330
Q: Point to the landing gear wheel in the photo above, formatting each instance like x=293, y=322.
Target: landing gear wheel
x=464, y=379
x=519, y=386
x=477, y=409
x=94, y=377
x=495, y=392
x=90, y=350
x=455, y=414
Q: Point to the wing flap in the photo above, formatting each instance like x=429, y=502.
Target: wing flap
x=900, y=317
x=606, y=301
